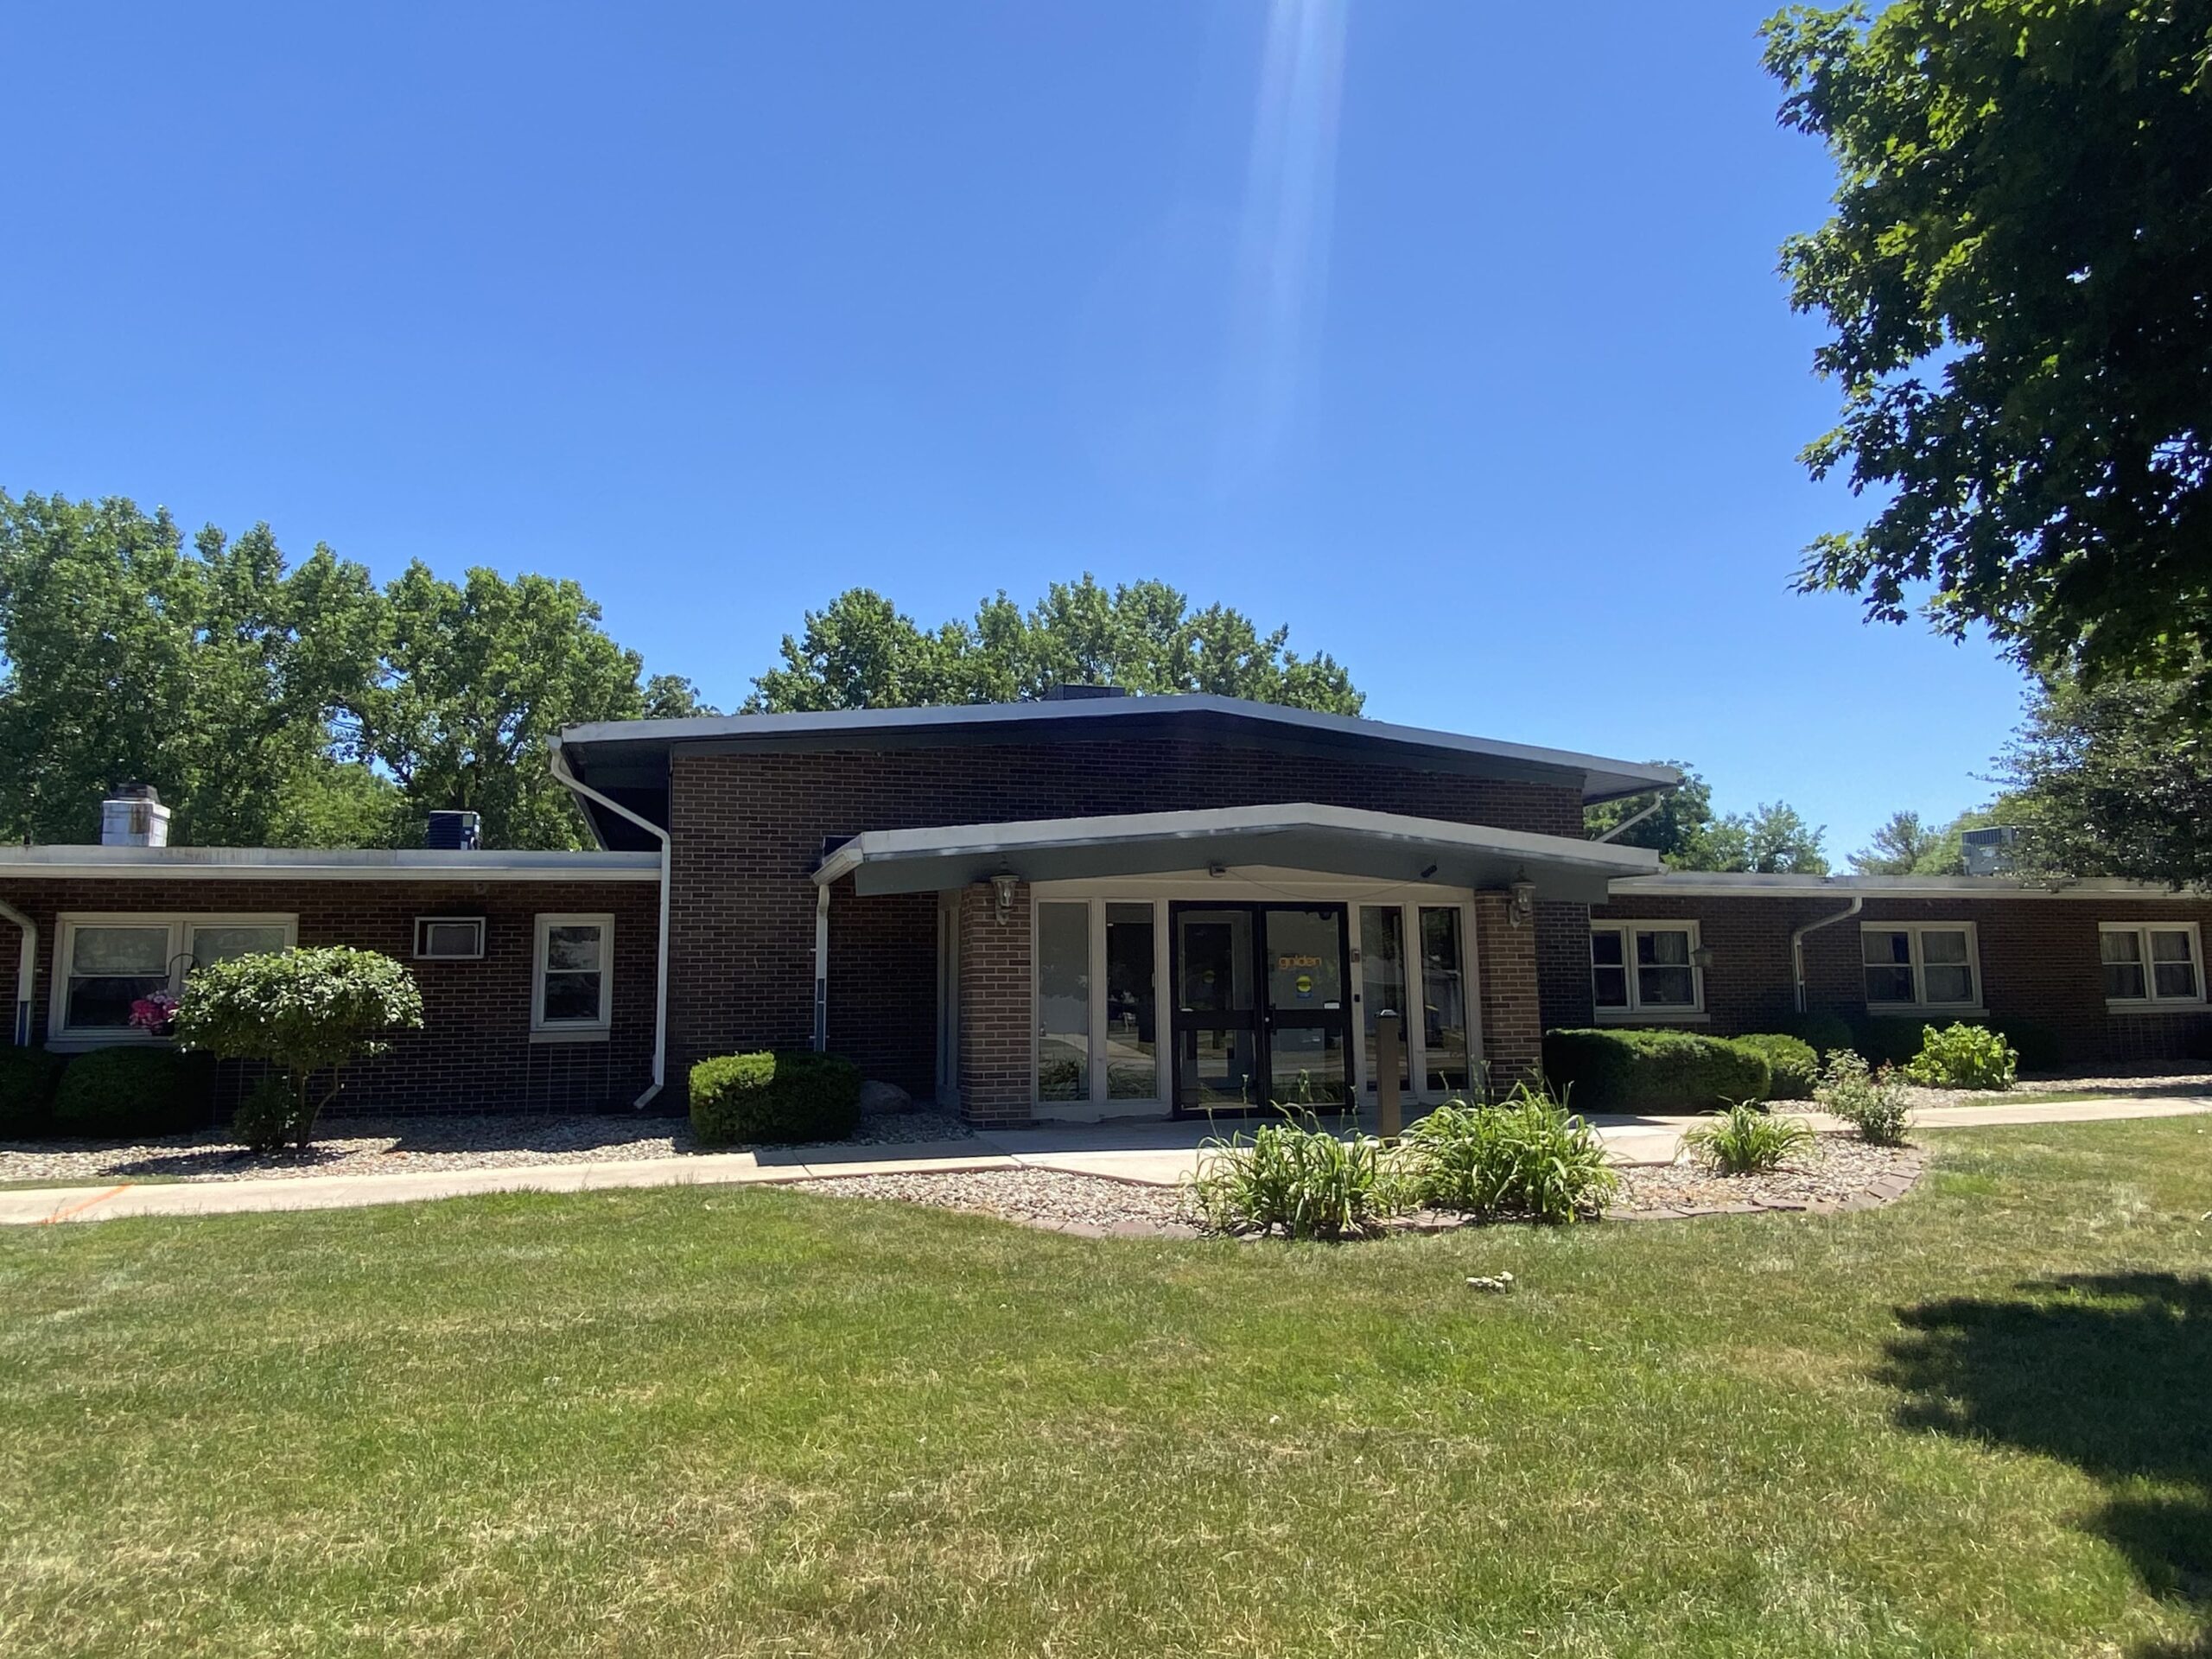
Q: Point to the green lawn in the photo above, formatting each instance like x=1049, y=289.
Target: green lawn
x=718, y=1422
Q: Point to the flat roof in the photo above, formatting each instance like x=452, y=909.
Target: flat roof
x=1304, y=836
x=325, y=864
x=1738, y=885
x=614, y=748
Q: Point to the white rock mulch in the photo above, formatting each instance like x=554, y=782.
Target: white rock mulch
x=1086, y=1204
x=392, y=1146
x=1831, y=1172
x=2146, y=1079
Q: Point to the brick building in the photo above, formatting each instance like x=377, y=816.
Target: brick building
x=1080, y=908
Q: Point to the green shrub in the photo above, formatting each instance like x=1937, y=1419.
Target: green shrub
x=303, y=1012
x=1294, y=1179
x=1963, y=1057
x=1823, y=1032
x=1791, y=1060
x=1746, y=1141
x=27, y=1079
x=1652, y=1071
x=2041, y=1045
x=128, y=1093
x=1886, y=1040
x=1871, y=1102
x=779, y=1098
x=1525, y=1158
x=268, y=1119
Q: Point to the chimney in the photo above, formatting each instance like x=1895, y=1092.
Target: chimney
x=452, y=832
x=133, y=816
x=1076, y=691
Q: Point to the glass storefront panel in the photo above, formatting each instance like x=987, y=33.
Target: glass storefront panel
x=1383, y=981
x=1443, y=999
x=1132, y=1041
x=1063, y=1001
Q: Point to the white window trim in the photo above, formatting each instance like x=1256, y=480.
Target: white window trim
x=1920, y=1004
x=477, y=922
x=1635, y=1013
x=542, y=1030
x=2150, y=1001
x=181, y=924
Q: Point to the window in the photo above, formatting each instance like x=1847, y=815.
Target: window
x=1443, y=999
x=575, y=976
x=107, y=963
x=448, y=938
x=2152, y=962
x=1645, y=969
x=1920, y=965
x=1063, y=1001
x=1131, y=1008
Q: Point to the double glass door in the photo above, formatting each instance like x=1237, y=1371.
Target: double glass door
x=1262, y=1006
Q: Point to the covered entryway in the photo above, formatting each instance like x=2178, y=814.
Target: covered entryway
x=1263, y=1005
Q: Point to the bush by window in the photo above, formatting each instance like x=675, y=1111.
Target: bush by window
x=774, y=1098
x=128, y=1094
x=29, y=1078
x=1629, y=1070
x=1791, y=1060
x=1963, y=1057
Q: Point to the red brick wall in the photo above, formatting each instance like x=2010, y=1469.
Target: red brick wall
x=1505, y=977
x=2039, y=962
x=748, y=830
x=474, y=1053
x=997, y=1056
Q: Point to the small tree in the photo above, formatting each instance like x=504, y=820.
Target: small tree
x=303, y=1012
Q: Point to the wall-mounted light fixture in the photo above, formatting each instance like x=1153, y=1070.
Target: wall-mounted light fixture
x=1002, y=887
x=1701, y=958
x=1521, y=902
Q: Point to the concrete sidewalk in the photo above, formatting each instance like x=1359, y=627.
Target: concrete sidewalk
x=1153, y=1154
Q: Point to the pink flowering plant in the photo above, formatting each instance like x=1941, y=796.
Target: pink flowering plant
x=154, y=1013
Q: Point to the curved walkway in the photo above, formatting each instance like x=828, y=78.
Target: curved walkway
x=1153, y=1154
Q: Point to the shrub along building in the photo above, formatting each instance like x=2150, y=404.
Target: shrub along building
x=1092, y=906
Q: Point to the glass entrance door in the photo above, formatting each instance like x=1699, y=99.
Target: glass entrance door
x=1263, y=1016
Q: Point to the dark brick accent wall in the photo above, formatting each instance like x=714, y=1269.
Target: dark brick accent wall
x=748, y=829
x=1563, y=962
x=997, y=1055
x=1505, y=974
x=2039, y=961
x=474, y=1053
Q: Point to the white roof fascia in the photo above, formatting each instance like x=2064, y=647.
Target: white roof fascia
x=1740, y=884
x=304, y=864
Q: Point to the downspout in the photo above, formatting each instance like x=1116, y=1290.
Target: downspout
x=561, y=771
x=26, y=967
x=822, y=968
x=1797, y=942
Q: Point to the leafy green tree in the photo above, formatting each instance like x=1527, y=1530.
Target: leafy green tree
x=2015, y=281
x=477, y=677
x=862, y=652
x=1898, y=848
x=1675, y=831
x=2114, y=779
x=212, y=673
x=1773, y=839
x=304, y=1011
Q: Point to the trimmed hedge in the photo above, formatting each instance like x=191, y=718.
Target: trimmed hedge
x=1792, y=1060
x=29, y=1078
x=121, y=1094
x=1609, y=1070
x=1825, y=1032
x=779, y=1098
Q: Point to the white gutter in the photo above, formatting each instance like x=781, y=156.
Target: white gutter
x=26, y=967
x=1797, y=942
x=561, y=771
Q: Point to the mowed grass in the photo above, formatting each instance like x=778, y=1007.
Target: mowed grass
x=708, y=1421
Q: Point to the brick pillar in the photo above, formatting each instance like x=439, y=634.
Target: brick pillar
x=1505, y=966
x=997, y=1081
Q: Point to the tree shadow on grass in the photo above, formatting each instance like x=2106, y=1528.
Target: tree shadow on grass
x=2111, y=1373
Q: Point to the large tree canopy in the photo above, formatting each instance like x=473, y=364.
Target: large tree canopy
x=862, y=652
x=279, y=706
x=2018, y=279
x=1773, y=839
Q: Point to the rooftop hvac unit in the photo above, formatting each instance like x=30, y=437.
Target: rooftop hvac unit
x=451, y=832
x=1993, y=851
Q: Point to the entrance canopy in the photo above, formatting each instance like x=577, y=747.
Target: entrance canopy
x=1300, y=835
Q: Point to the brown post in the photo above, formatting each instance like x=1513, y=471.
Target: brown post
x=1389, y=1121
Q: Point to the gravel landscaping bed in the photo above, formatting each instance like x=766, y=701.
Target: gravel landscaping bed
x=2146, y=1079
x=1831, y=1171
x=1038, y=1198
x=390, y=1146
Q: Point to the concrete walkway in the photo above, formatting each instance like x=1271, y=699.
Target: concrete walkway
x=1153, y=1154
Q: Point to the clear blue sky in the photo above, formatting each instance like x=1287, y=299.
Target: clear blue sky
x=1447, y=334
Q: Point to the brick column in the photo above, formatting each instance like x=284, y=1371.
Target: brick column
x=1505, y=968
x=997, y=1080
